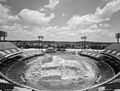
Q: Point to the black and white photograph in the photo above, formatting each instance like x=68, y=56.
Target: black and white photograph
x=59, y=45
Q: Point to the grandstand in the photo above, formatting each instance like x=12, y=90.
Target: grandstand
x=10, y=54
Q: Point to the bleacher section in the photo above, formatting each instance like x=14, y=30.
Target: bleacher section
x=8, y=54
x=92, y=54
x=111, y=55
x=7, y=50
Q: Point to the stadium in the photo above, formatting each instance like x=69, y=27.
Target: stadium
x=59, y=70
x=59, y=45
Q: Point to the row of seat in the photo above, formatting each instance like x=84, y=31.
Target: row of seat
x=8, y=52
x=4, y=54
x=92, y=54
x=112, y=52
x=112, y=58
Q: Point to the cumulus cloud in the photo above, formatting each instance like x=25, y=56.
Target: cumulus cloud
x=42, y=9
x=99, y=16
x=81, y=21
x=104, y=25
x=52, y=4
x=6, y=16
x=35, y=17
x=55, y=33
x=3, y=0
x=82, y=24
x=3, y=13
x=110, y=8
x=22, y=22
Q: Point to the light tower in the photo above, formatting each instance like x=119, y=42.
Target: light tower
x=40, y=38
x=117, y=36
x=3, y=35
x=84, y=38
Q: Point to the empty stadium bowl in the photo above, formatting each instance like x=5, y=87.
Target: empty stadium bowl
x=59, y=72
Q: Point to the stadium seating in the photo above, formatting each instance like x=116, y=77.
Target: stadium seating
x=8, y=50
x=110, y=55
x=8, y=54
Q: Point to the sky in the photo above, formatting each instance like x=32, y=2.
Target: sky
x=60, y=20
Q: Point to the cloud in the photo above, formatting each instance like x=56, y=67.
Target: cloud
x=42, y=9
x=90, y=23
x=108, y=0
x=110, y=8
x=104, y=25
x=52, y=4
x=3, y=13
x=63, y=14
x=3, y=0
x=101, y=15
x=35, y=17
x=82, y=21
x=55, y=33
x=6, y=16
x=25, y=21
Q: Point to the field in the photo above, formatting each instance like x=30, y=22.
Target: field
x=59, y=71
